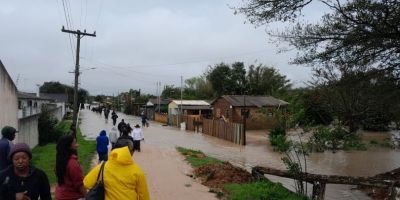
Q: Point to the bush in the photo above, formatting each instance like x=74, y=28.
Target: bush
x=47, y=127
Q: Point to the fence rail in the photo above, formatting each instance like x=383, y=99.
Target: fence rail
x=319, y=181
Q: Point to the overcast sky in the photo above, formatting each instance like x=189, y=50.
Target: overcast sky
x=138, y=43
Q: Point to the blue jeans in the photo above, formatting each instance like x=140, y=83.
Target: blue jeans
x=103, y=156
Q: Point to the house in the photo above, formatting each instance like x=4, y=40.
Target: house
x=187, y=107
x=230, y=108
x=152, y=106
x=60, y=99
x=8, y=99
x=30, y=104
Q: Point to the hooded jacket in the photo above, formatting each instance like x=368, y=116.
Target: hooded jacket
x=123, y=179
x=102, y=142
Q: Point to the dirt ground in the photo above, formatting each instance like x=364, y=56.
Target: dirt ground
x=216, y=175
x=168, y=175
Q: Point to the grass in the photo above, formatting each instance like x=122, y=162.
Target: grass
x=197, y=158
x=44, y=157
x=260, y=191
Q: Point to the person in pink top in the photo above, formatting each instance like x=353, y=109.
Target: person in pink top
x=68, y=170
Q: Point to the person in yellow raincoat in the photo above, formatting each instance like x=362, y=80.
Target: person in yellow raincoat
x=123, y=179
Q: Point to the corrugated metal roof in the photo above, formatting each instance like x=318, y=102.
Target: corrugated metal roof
x=58, y=97
x=191, y=102
x=26, y=95
x=257, y=101
x=162, y=101
x=204, y=107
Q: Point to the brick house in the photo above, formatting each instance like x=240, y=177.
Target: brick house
x=230, y=106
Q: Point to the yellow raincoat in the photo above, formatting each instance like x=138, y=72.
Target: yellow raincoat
x=123, y=179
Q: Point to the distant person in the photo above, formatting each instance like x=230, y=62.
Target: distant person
x=121, y=126
x=114, y=117
x=106, y=113
x=144, y=120
x=123, y=178
x=21, y=180
x=102, y=146
x=69, y=172
x=113, y=136
x=137, y=135
x=8, y=135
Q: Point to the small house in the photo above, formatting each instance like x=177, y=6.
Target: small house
x=179, y=108
x=232, y=108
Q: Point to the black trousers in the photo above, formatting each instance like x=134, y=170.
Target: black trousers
x=136, y=145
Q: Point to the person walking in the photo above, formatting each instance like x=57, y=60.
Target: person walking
x=121, y=126
x=106, y=113
x=123, y=178
x=114, y=117
x=113, y=136
x=144, y=120
x=8, y=135
x=68, y=170
x=137, y=135
x=102, y=146
x=22, y=180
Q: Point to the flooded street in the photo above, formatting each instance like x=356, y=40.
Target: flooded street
x=258, y=152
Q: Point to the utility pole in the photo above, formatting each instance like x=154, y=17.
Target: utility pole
x=181, y=117
x=79, y=35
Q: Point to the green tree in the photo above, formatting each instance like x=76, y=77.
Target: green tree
x=220, y=78
x=368, y=99
x=359, y=33
x=172, y=92
x=198, y=88
x=265, y=80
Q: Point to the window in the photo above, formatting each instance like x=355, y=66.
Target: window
x=19, y=105
x=35, y=105
x=30, y=103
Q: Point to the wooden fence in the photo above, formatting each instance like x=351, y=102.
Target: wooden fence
x=162, y=118
x=223, y=130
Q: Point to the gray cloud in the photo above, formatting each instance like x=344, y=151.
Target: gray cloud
x=137, y=44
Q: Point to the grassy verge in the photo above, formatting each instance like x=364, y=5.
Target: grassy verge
x=197, y=158
x=233, y=191
x=44, y=157
x=260, y=190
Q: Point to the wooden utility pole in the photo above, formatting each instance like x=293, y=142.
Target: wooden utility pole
x=79, y=35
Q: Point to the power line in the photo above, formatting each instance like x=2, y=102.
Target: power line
x=183, y=62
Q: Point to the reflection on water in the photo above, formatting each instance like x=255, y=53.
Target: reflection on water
x=259, y=152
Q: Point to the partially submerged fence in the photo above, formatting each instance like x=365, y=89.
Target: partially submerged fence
x=224, y=130
x=319, y=181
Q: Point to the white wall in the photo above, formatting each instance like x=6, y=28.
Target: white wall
x=8, y=100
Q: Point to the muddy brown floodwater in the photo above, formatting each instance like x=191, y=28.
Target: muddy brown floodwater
x=259, y=152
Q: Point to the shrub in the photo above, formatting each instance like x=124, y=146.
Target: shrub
x=47, y=127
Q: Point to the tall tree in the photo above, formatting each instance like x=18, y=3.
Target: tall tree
x=220, y=78
x=265, y=80
x=360, y=33
x=172, y=92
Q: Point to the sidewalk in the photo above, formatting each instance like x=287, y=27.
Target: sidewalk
x=164, y=167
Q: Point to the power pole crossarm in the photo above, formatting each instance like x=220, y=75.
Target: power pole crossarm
x=79, y=35
x=78, y=32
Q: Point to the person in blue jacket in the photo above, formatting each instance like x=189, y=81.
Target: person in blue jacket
x=102, y=146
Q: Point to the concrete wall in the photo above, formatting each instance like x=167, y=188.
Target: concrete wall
x=8, y=99
x=28, y=130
